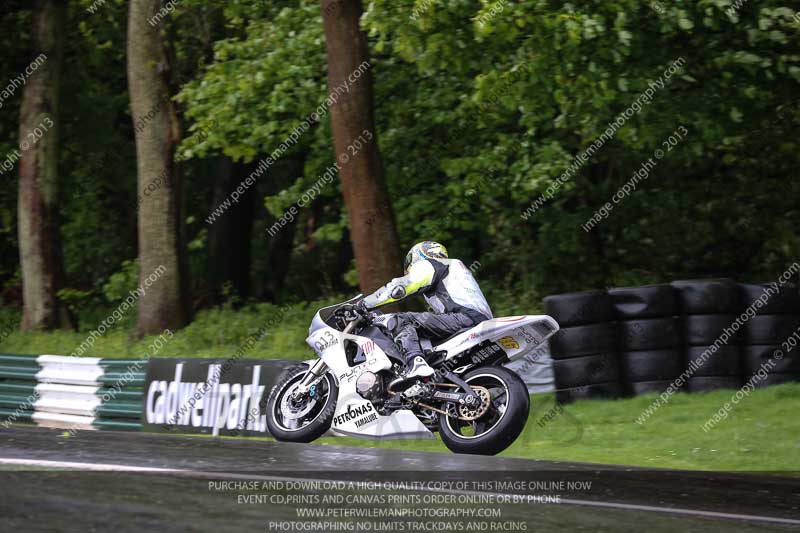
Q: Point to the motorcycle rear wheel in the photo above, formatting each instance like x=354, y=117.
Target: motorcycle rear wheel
x=500, y=425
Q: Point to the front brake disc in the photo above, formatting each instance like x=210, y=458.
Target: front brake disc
x=292, y=410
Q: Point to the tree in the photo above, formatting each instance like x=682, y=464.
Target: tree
x=166, y=303
x=39, y=244
x=372, y=226
x=230, y=237
x=535, y=84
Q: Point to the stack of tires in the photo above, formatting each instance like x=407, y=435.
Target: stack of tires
x=770, y=333
x=709, y=311
x=649, y=337
x=584, y=349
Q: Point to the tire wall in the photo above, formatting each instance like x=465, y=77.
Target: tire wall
x=650, y=337
x=584, y=350
x=638, y=340
x=770, y=354
x=709, y=310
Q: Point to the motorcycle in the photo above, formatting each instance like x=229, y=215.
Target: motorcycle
x=475, y=404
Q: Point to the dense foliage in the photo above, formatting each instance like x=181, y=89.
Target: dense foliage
x=481, y=106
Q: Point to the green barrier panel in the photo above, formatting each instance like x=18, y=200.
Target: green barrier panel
x=15, y=400
x=134, y=379
x=18, y=372
x=119, y=410
x=20, y=415
x=118, y=425
x=22, y=387
x=18, y=360
x=129, y=395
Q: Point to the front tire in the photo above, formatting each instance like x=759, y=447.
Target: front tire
x=304, y=420
x=500, y=425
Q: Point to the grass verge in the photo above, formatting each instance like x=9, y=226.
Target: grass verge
x=761, y=433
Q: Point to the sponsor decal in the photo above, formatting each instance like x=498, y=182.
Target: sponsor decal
x=368, y=347
x=464, y=341
x=207, y=404
x=468, y=338
x=357, y=413
x=485, y=353
x=327, y=340
x=372, y=417
x=212, y=396
x=357, y=370
x=509, y=343
x=447, y=395
x=525, y=334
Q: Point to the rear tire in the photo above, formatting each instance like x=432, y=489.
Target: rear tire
x=502, y=432
x=321, y=416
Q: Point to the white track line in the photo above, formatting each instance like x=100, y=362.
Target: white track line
x=96, y=467
x=675, y=510
x=106, y=467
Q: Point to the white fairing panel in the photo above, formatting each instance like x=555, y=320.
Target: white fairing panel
x=355, y=415
x=517, y=335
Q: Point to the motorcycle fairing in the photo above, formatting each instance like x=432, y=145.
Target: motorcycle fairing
x=355, y=415
x=518, y=335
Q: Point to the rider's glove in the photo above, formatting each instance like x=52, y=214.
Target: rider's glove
x=359, y=308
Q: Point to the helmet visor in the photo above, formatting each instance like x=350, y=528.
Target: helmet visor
x=407, y=261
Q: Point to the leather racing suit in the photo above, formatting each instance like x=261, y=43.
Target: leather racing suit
x=449, y=289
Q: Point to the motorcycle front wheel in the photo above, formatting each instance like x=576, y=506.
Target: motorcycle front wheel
x=497, y=423
x=302, y=419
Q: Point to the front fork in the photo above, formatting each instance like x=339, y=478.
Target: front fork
x=313, y=375
x=318, y=369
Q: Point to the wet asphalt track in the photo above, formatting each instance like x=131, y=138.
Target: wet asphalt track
x=101, y=481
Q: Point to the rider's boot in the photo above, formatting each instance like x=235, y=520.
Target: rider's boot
x=416, y=368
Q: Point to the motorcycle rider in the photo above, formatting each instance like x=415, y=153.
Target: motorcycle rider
x=449, y=289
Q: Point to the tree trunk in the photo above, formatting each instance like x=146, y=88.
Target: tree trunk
x=229, y=238
x=375, y=245
x=166, y=302
x=281, y=245
x=39, y=244
x=279, y=259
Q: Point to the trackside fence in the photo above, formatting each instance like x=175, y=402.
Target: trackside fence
x=72, y=392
